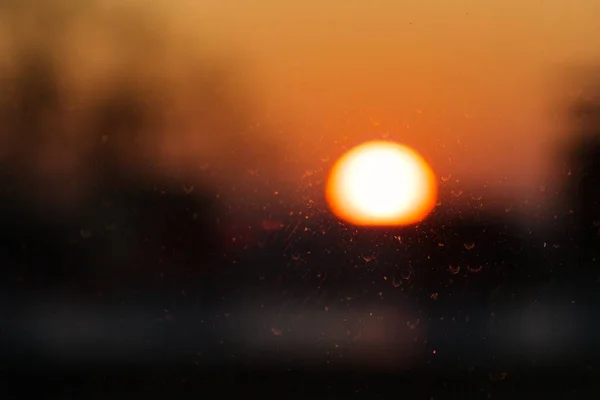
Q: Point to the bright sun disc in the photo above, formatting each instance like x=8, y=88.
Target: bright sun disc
x=381, y=183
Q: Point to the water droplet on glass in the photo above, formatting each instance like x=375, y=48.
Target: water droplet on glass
x=446, y=178
x=434, y=296
x=475, y=268
x=396, y=282
x=469, y=246
x=497, y=376
x=276, y=332
x=457, y=193
x=85, y=233
x=412, y=325
x=406, y=274
x=368, y=258
x=454, y=269
x=188, y=189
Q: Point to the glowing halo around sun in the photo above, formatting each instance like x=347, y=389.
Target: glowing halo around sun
x=381, y=183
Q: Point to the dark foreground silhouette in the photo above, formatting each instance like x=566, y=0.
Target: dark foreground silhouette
x=145, y=288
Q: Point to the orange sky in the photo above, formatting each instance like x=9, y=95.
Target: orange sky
x=470, y=84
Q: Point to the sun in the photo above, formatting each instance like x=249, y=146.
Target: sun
x=381, y=184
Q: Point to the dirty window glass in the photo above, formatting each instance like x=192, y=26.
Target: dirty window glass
x=299, y=198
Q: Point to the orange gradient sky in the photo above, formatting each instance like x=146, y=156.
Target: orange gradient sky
x=478, y=88
x=469, y=84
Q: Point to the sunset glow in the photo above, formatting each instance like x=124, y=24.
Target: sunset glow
x=381, y=183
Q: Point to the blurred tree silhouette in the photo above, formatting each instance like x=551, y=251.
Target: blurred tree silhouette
x=91, y=200
x=582, y=184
